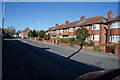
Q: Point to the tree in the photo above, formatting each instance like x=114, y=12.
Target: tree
x=47, y=36
x=12, y=30
x=41, y=34
x=32, y=33
x=81, y=35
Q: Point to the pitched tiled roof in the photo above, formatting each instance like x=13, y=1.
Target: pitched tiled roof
x=96, y=19
x=87, y=21
x=4, y=29
x=50, y=28
x=58, y=27
x=116, y=18
x=26, y=29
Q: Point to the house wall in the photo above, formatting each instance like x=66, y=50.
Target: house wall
x=114, y=31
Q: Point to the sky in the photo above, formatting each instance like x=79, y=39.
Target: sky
x=42, y=15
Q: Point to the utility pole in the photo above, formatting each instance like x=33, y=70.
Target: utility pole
x=3, y=13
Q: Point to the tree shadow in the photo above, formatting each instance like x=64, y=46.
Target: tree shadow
x=81, y=46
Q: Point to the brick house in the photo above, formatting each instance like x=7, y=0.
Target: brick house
x=67, y=30
x=24, y=33
x=113, y=35
x=114, y=30
x=101, y=30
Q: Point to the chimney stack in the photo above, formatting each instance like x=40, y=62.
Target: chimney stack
x=109, y=15
x=56, y=24
x=82, y=17
x=66, y=22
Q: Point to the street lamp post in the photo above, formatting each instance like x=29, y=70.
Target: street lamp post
x=3, y=13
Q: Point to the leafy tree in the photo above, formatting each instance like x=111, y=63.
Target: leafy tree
x=32, y=33
x=47, y=36
x=81, y=35
x=72, y=41
x=11, y=29
x=41, y=34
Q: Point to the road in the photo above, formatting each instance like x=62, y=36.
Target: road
x=32, y=60
x=102, y=60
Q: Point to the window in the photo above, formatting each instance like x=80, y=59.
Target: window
x=95, y=37
x=115, y=25
x=57, y=31
x=114, y=38
x=57, y=36
x=61, y=31
x=49, y=32
x=95, y=26
x=61, y=36
x=65, y=36
x=71, y=36
x=87, y=39
x=71, y=29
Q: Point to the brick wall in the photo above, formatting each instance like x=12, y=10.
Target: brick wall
x=117, y=50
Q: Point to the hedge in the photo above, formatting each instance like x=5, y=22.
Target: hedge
x=64, y=40
x=96, y=48
x=72, y=41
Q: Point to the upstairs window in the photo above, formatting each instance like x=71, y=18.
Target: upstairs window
x=115, y=25
x=71, y=29
x=95, y=26
x=57, y=31
x=61, y=31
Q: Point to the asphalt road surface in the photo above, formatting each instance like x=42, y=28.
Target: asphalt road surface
x=24, y=61
x=102, y=60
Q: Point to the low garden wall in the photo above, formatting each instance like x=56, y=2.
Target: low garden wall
x=102, y=48
x=65, y=44
x=117, y=49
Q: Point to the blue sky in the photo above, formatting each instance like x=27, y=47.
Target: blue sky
x=42, y=15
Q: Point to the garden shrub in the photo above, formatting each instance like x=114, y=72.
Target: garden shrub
x=72, y=41
x=96, y=48
x=64, y=40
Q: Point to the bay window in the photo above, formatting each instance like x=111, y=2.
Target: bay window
x=115, y=25
x=114, y=38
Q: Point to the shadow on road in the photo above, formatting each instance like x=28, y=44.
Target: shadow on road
x=76, y=68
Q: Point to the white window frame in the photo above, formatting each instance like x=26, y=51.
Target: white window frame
x=115, y=25
x=95, y=26
x=71, y=29
x=95, y=37
x=61, y=30
x=114, y=38
x=71, y=36
x=57, y=31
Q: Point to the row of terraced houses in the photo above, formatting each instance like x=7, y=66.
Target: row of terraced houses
x=101, y=30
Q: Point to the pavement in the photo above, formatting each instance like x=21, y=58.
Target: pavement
x=23, y=60
x=98, y=59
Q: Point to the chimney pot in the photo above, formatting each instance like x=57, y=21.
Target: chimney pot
x=56, y=24
x=109, y=15
x=66, y=22
x=82, y=17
